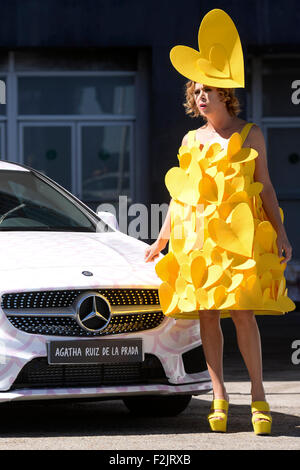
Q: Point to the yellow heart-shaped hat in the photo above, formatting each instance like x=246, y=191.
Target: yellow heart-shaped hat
x=219, y=61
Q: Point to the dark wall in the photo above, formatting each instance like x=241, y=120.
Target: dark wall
x=159, y=23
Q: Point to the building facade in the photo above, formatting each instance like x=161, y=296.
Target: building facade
x=93, y=101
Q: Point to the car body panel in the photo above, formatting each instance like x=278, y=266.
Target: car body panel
x=55, y=260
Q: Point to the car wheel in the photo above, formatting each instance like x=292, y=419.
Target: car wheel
x=152, y=405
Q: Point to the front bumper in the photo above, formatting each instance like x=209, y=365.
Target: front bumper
x=108, y=392
x=171, y=343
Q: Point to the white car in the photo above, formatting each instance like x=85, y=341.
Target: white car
x=79, y=312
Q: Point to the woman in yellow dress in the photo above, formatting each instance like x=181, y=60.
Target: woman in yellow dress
x=224, y=225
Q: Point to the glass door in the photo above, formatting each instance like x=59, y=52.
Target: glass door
x=105, y=162
x=2, y=141
x=48, y=147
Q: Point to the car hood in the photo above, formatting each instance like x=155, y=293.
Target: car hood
x=56, y=260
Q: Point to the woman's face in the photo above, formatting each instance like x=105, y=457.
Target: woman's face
x=207, y=99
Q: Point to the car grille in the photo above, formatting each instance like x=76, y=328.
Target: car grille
x=39, y=374
x=48, y=312
x=65, y=298
x=43, y=325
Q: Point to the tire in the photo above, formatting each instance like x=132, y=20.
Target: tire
x=152, y=405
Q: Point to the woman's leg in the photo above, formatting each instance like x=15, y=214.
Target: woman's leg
x=212, y=341
x=249, y=343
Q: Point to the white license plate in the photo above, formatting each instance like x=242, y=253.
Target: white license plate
x=95, y=351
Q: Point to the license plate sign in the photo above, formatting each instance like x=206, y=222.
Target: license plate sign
x=100, y=351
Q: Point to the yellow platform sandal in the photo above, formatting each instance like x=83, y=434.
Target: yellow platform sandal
x=217, y=417
x=261, y=421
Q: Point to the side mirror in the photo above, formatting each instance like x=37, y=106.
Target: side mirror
x=109, y=219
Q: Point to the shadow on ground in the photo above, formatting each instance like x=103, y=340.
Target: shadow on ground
x=19, y=420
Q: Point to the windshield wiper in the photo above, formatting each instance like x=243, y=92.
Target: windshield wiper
x=11, y=210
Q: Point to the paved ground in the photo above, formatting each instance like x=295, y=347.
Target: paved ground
x=107, y=425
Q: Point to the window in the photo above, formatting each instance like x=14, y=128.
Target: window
x=73, y=118
x=271, y=106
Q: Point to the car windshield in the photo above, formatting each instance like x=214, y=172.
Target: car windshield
x=30, y=202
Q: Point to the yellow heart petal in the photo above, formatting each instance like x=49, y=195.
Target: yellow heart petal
x=208, y=246
x=213, y=275
x=205, y=301
x=266, y=262
x=204, y=150
x=266, y=295
x=220, y=258
x=235, y=282
x=231, y=202
x=185, y=160
x=286, y=304
x=244, y=155
x=182, y=257
x=254, y=189
x=220, y=182
x=191, y=296
x=219, y=296
x=219, y=156
x=265, y=235
x=210, y=209
x=276, y=274
x=167, y=268
x=198, y=271
x=270, y=305
x=193, y=254
x=225, y=279
x=229, y=301
x=281, y=287
x=266, y=280
x=213, y=150
x=208, y=189
x=195, y=172
x=202, y=298
x=238, y=183
x=216, y=257
x=177, y=238
x=247, y=168
x=234, y=145
x=251, y=296
x=231, y=170
x=281, y=214
x=212, y=171
x=249, y=264
x=237, y=236
x=181, y=186
x=196, y=153
x=186, y=305
x=180, y=285
x=229, y=188
x=168, y=298
x=204, y=165
x=185, y=271
x=183, y=149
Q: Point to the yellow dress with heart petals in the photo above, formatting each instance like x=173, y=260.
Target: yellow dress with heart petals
x=222, y=248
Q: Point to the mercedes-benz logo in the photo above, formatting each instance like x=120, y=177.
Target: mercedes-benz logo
x=92, y=312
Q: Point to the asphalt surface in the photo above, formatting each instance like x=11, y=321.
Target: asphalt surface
x=108, y=426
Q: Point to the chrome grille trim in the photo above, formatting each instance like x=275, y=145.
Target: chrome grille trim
x=65, y=298
x=70, y=312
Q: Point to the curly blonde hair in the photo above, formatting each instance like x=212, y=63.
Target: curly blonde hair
x=226, y=94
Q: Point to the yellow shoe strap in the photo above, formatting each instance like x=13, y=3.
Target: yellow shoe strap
x=259, y=406
x=219, y=404
x=216, y=414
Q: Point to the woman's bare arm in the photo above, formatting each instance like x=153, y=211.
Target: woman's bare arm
x=164, y=234
x=268, y=196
